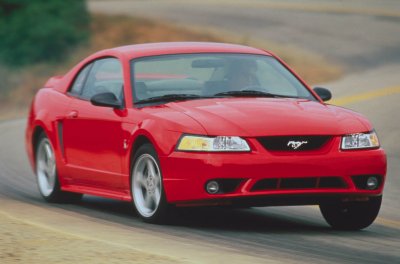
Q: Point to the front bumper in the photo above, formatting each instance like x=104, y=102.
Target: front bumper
x=186, y=174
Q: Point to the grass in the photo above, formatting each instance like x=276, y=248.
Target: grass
x=17, y=87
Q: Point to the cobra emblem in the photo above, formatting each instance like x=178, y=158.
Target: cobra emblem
x=296, y=144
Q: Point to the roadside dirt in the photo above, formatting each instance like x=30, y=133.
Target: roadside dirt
x=45, y=233
x=24, y=242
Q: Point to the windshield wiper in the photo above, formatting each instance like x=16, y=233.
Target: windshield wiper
x=253, y=93
x=181, y=97
x=169, y=98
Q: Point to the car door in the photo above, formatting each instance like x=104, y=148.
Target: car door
x=92, y=135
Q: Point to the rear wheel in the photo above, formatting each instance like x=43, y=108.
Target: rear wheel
x=147, y=186
x=46, y=173
x=351, y=215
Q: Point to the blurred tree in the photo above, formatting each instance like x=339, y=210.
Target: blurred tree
x=41, y=30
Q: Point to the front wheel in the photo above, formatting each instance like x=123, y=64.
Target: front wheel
x=351, y=215
x=147, y=186
x=46, y=174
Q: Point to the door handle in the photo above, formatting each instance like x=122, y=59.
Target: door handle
x=73, y=114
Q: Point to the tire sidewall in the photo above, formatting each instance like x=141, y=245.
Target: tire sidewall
x=56, y=188
x=160, y=213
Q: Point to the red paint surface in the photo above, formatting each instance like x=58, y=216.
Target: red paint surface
x=93, y=159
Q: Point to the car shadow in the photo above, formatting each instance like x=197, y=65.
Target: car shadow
x=204, y=218
x=265, y=220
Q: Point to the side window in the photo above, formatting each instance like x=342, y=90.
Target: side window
x=80, y=80
x=105, y=77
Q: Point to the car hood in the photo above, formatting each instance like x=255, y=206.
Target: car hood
x=270, y=116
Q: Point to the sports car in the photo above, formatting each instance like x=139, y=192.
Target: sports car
x=166, y=125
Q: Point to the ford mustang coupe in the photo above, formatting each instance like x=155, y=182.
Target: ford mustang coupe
x=201, y=124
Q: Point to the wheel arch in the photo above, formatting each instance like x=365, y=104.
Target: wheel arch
x=38, y=129
x=138, y=141
x=37, y=132
x=161, y=139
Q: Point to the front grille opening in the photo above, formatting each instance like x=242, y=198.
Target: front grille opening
x=229, y=185
x=360, y=181
x=299, y=183
x=265, y=184
x=293, y=143
x=331, y=182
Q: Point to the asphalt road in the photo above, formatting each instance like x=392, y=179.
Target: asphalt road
x=258, y=235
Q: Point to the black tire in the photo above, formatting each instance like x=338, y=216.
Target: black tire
x=55, y=195
x=351, y=215
x=160, y=214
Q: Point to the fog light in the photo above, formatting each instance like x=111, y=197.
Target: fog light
x=372, y=183
x=212, y=187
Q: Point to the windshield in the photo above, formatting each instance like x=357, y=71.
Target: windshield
x=194, y=76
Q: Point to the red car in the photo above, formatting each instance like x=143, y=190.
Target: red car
x=193, y=124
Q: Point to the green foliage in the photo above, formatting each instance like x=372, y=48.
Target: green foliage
x=33, y=31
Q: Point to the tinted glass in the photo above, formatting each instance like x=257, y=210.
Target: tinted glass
x=80, y=80
x=105, y=76
x=209, y=74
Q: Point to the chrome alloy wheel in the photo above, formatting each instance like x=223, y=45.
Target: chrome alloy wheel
x=46, y=168
x=146, y=185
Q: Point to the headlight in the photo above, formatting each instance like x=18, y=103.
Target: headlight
x=360, y=141
x=212, y=144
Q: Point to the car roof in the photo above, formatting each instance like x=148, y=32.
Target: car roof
x=163, y=48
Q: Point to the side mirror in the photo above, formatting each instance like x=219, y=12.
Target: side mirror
x=323, y=93
x=107, y=100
